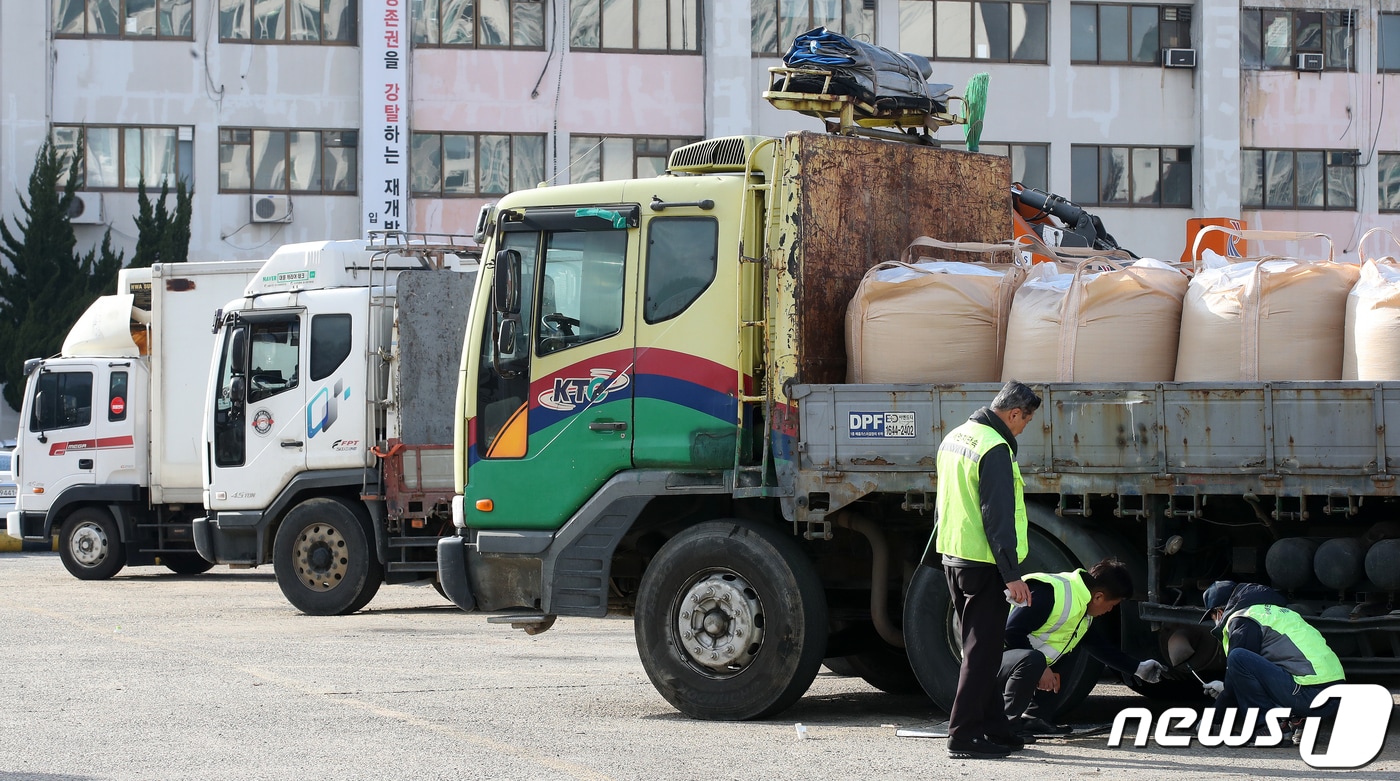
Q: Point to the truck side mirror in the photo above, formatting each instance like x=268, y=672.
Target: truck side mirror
x=505, y=340
x=505, y=289
x=236, y=390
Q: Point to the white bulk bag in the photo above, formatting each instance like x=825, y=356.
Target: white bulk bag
x=1372, y=332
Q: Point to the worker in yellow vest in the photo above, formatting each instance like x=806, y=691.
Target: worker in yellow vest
x=1273, y=658
x=980, y=541
x=1041, y=636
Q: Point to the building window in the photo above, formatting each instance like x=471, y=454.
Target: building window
x=957, y=30
x=1130, y=176
x=515, y=24
x=123, y=18
x=1388, y=179
x=271, y=160
x=1298, y=179
x=610, y=158
x=1274, y=37
x=777, y=22
x=119, y=158
x=1388, y=44
x=288, y=21
x=475, y=164
x=625, y=25
x=1127, y=34
x=1030, y=163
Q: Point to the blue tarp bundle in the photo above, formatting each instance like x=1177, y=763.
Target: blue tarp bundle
x=876, y=75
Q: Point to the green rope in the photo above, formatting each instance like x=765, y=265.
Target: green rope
x=975, y=104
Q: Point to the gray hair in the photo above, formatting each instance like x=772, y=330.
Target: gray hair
x=1016, y=395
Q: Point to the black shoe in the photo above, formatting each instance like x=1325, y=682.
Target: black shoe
x=1013, y=742
x=977, y=748
x=1039, y=726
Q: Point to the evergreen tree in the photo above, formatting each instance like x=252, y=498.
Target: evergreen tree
x=45, y=285
x=162, y=237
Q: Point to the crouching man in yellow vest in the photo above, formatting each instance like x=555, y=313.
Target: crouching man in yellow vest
x=1273, y=658
x=980, y=541
x=1042, y=634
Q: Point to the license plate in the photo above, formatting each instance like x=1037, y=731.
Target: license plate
x=7, y=491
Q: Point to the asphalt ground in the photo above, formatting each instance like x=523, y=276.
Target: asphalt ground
x=151, y=675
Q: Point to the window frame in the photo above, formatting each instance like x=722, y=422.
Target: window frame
x=935, y=33
x=475, y=43
x=122, y=16
x=697, y=25
x=1256, y=16
x=1383, y=20
x=184, y=155
x=712, y=269
x=757, y=49
x=345, y=327
x=34, y=413
x=118, y=387
x=1328, y=165
x=597, y=142
x=1182, y=20
x=286, y=189
x=476, y=138
x=1044, y=183
x=1077, y=193
x=1385, y=161
x=352, y=41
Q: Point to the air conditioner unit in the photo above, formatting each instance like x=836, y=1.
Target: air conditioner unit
x=86, y=208
x=1309, y=62
x=1178, y=58
x=272, y=208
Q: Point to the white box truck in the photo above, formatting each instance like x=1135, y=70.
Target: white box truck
x=108, y=451
x=329, y=417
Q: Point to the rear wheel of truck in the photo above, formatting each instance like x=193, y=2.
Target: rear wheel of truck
x=731, y=621
x=933, y=634
x=186, y=563
x=90, y=545
x=887, y=668
x=323, y=559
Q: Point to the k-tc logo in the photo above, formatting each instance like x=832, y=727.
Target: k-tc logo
x=321, y=412
x=570, y=393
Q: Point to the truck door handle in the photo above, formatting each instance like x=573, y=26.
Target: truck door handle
x=85, y=463
x=291, y=443
x=607, y=425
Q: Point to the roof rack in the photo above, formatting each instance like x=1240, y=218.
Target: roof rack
x=849, y=115
x=430, y=248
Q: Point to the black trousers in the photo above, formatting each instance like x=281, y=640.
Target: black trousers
x=982, y=607
x=1020, y=673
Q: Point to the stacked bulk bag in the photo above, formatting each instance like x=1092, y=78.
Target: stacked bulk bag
x=1372, y=333
x=1265, y=318
x=1103, y=322
x=931, y=321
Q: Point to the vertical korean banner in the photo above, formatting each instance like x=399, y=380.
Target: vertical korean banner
x=384, y=106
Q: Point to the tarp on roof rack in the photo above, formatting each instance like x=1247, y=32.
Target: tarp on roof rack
x=886, y=79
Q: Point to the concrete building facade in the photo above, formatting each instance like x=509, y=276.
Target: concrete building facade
x=1145, y=113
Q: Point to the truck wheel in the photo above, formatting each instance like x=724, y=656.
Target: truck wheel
x=323, y=559
x=186, y=563
x=933, y=634
x=90, y=546
x=731, y=621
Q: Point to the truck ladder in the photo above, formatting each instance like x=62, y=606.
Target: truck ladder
x=752, y=479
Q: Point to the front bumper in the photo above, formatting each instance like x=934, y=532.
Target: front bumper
x=452, y=572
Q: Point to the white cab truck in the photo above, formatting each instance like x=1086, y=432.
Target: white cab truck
x=328, y=421
x=108, y=452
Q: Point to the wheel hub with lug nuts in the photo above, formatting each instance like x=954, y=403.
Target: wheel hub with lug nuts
x=719, y=620
x=321, y=558
x=89, y=545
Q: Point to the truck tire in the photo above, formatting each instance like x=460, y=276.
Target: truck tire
x=90, y=545
x=186, y=563
x=759, y=641
x=933, y=636
x=323, y=559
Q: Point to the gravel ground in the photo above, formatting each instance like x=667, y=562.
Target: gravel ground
x=157, y=676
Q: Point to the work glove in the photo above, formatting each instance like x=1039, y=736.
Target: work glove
x=1151, y=671
x=1214, y=688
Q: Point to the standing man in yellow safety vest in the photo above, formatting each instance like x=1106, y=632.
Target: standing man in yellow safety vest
x=981, y=536
x=1044, y=634
x=1273, y=658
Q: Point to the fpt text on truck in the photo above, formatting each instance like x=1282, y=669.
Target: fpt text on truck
x=328, y=425
x=107, y=456
x=654, y=421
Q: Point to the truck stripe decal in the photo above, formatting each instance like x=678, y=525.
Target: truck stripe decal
x=105, y=443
